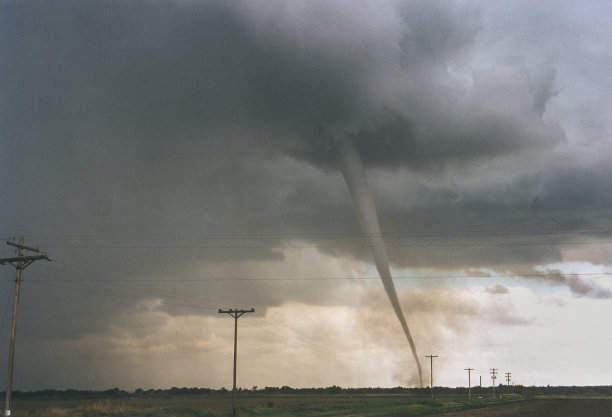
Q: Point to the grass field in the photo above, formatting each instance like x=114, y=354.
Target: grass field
x=299, y=405
x=544, y=407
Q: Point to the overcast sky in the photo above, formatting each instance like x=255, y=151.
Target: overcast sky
x=177, y=157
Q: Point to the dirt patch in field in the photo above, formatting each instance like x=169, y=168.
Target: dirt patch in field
x=546, y=408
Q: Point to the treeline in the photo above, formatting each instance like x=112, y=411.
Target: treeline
x=604, y=390
x=332, y=390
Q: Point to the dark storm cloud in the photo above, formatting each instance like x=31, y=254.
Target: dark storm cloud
x=138, y=76
x=130, y=111
x=180, y=117
x=127, y=127
x=140, y=71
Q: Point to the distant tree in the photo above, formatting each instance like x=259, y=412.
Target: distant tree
x=334, y=389
x=115, y=392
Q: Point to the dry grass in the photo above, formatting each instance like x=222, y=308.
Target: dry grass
x=105, y=407
x=59, y=412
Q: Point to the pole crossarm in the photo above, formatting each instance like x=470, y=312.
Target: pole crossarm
x=27, y=260
x=22, y=246
x=236, y=313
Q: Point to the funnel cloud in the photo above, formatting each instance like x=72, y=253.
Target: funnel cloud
x=357, y=184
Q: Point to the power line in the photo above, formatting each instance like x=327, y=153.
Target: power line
x=186, y=301
x=118, y=290
x=456, y=233
x=457, y=239
x=114, y=294
x=5, y=314
x=318, y=344
x=339, y=278
x=339, y=246
x=123, y=291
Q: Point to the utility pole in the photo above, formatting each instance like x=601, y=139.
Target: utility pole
x=493, y=377
x=235, y=313
x=480, y=386
x=431, y=371
x=20, y=262
x=508, y=374
x=469, y=382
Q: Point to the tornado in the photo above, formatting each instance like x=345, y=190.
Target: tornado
x=356, y=181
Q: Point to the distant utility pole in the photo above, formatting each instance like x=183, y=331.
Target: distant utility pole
x=469, y=382
x=508, y=374
x=480, y=386
x=493, y=377
x=20, y=262
x=431, y=371
x=235, y=314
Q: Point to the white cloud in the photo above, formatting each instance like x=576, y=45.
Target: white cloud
x=539, y=338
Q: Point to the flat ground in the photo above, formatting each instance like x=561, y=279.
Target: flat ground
x=545, y=408
x=315, y=406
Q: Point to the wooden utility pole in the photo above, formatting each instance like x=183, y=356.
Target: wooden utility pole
x=431, y=371
x=493, y=377
x=20, y=262
x=235, y=313
x=508, y=375
x=469, y=382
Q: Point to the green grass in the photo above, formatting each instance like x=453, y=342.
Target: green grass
x=254, y=405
